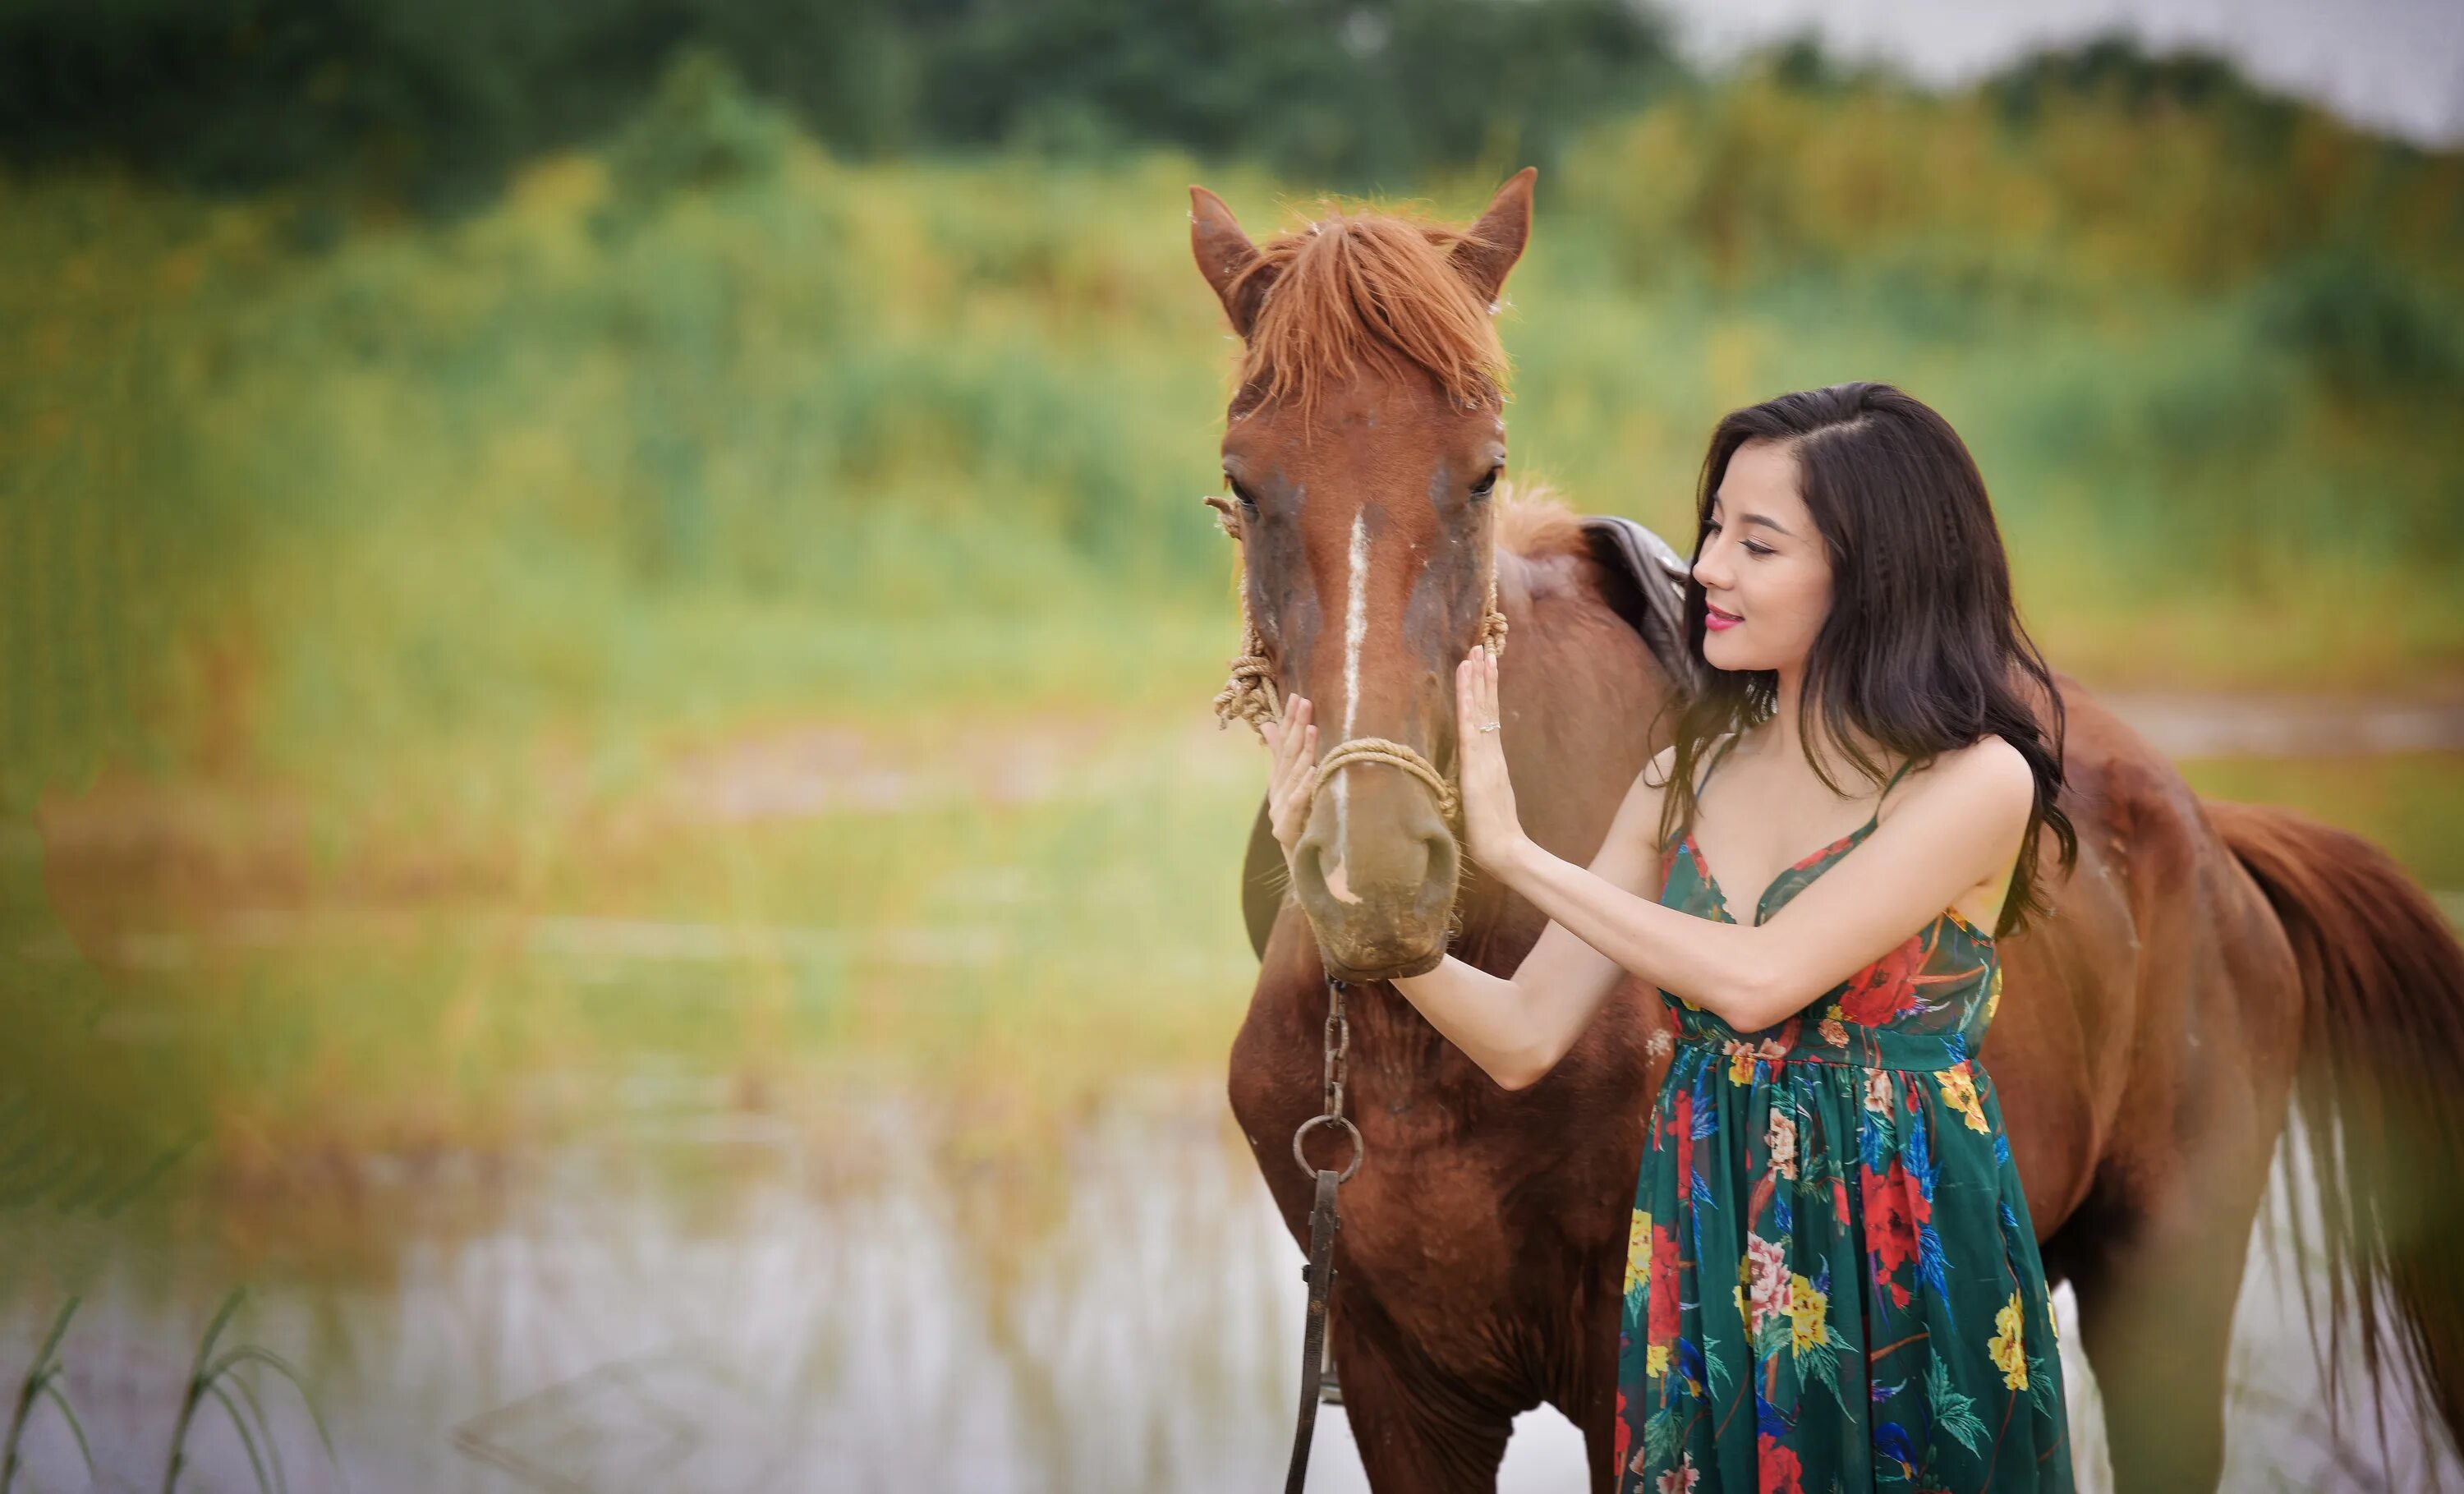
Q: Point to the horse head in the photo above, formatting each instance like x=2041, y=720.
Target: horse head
x=1363, y=449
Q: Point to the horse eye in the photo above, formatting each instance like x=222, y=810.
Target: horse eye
x=1487, y=485
x=1239, y=493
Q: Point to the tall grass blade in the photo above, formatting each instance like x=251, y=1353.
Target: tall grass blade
x=68, y=1413
x=264, y=1424
x=250, y=1353
x=199, y=1382
x=42, y=1382
x=246, y=1437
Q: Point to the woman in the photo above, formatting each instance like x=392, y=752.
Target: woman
x=1832, y=1280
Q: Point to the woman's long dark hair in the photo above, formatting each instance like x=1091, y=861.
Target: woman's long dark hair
x=1923, y=651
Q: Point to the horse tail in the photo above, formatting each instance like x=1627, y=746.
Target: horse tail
x=2379, y=1091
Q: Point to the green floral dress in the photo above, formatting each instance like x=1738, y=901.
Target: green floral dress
x=1832, y=1282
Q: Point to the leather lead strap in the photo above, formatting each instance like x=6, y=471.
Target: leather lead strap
x=1320, y=1272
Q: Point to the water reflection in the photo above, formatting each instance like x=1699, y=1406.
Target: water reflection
x=711, y=1300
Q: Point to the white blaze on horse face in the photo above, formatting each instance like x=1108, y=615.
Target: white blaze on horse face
x=1356, y=619
x=1355, y=633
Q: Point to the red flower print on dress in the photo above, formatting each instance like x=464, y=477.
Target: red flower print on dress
x=1776, y=1468
x=1663, y=1322
x=1894, y=1208
x=1680, y=1126
x=1887, y=988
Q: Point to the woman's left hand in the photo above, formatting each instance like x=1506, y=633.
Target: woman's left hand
x=1492, y=832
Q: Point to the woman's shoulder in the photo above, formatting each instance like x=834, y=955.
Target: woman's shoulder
x=1987, y=772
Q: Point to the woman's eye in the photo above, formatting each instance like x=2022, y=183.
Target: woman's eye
x=1753, y=548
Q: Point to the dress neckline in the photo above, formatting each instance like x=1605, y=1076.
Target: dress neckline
x=1720, y=896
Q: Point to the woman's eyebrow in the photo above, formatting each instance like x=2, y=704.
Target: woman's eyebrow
x=1763, y=520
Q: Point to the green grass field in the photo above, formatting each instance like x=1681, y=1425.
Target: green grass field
x=354, y=562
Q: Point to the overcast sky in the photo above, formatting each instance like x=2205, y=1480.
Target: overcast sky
x=2396, y=65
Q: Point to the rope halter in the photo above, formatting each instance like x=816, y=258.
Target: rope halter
x=1251, y=693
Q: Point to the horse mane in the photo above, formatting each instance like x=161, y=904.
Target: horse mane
x=1361, y=289
x=1533, y=521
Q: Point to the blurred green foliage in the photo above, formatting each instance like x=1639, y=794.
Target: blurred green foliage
x=709, y=423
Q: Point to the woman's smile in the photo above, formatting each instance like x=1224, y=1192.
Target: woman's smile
x=1716, y=620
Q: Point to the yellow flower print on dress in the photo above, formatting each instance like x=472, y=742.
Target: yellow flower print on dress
x=2005, y=1346
x=1993, y=993
x=1741, y=1063
x=1637, y=1253
x=1806, y=1312
x=1959, y=1092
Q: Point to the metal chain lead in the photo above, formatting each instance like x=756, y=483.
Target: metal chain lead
x=1317, y=1372
x=1339, y=1049
x=1338, y=1072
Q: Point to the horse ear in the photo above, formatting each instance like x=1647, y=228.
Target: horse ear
x=1223, y=254
x=1491, y=247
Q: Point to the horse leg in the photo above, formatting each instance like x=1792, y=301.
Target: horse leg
x=1589, y=1401
x=1420, y=1429
x=2157, y=1340
x=2157, y=1280
x=1599, y=1447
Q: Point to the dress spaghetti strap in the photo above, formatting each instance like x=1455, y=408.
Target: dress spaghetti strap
x=1888, y=788
x=1701, y=778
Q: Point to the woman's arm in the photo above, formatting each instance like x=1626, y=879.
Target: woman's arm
x=1512, y=1027
x=1959, y=826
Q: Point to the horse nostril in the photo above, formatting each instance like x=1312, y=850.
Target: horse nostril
x=1445, y=865
x=1312, y=876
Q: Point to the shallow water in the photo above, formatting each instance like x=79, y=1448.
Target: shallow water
x=837, y=1272
x=692, y=1303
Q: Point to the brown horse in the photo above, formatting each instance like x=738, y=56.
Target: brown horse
x=2206, y=963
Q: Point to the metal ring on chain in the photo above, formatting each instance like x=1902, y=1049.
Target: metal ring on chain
x=1313, y=1124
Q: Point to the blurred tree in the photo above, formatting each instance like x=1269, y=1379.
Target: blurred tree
x=428, y=101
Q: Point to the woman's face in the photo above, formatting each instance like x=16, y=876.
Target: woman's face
x=1763, y=565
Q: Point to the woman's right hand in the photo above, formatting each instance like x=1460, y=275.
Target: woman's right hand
x=1293, y=743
